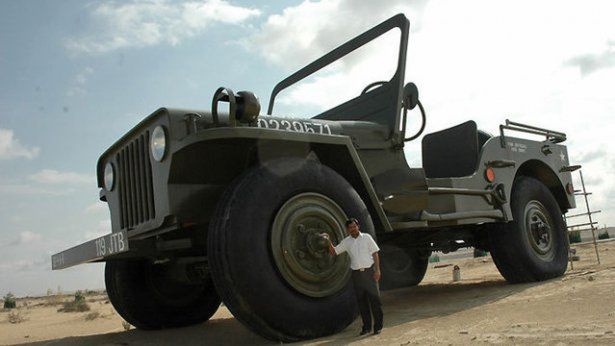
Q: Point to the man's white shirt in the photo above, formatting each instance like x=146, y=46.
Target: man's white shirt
x=360, y=250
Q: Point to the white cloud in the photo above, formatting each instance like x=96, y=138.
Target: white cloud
x=28, y=189
x=104, y=227
x=50, y=176
x=77, y=86
x=22, y=265
x=26, y=237
x=589, y=63
x=146, y=23
x=591, y=154
x=11, y=148
x=304, y=32
x=346, y=79
x=96, y=207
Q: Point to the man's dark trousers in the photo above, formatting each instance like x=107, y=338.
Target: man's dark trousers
x=368, y=295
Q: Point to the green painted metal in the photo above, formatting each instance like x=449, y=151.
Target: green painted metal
x=300, y=253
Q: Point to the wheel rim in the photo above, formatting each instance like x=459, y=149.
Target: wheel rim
x=540, y=229
x=300, y=254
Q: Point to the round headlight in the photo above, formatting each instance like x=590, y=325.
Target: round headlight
x=158, y=143
x=109, y=176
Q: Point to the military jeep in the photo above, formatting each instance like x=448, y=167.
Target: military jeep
x=209, y=207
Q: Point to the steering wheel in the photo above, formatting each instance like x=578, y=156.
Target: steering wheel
x=372, y=85
x=411, y=100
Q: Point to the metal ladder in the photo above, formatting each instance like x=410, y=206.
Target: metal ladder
x=589, y=226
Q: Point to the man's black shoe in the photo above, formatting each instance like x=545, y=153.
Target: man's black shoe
x=363, y=332
x=376, y=332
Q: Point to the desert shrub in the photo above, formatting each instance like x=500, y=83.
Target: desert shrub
x=480, y=253
x=92, y=316
x=604, y=235
x=15, y=316
x=9, y=301
x=77, y=305
x=434, y=259
x=79, y=297
x=52, y=300
x=574, y=237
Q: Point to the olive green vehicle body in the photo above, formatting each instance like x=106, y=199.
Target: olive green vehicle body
x=164, y=208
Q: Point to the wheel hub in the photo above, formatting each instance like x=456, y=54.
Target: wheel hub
x=300, y=252
x=539, y=227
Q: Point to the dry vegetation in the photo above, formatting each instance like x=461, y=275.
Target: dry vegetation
x=9, y=302
x=15, y=316
x=92, y=316
x=126, y=325
x=52, y=299
x=77, y=305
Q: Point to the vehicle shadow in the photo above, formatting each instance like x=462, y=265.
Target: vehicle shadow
x=431, y=300
x=400, y=306
x=227, y=331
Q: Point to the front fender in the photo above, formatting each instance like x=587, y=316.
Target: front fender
x=204, y=163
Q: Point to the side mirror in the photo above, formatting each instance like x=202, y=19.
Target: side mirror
x=411, y=96
x=410, y=101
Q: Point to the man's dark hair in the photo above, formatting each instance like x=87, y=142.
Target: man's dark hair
x=351, y=221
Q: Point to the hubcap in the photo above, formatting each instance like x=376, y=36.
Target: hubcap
x=300, y=253
x=539, y=228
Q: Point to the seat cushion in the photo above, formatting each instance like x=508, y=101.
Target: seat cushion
x=452, y=152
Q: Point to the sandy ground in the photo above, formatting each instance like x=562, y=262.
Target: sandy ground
x=577, y=309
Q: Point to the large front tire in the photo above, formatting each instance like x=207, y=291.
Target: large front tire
x=534, y=246
x=145, y=297
x=265, y=257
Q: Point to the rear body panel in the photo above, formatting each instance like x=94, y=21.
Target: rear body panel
x=521, y=152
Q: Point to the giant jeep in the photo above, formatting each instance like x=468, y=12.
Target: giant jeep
x=210, y=206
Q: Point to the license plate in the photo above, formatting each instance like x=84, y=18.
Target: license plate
x=90, y=251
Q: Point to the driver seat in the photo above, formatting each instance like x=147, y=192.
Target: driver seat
x=453, y=152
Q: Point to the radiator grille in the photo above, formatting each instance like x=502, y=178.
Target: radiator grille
x=135, y=183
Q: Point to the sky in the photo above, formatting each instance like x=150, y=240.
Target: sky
x=76, y=75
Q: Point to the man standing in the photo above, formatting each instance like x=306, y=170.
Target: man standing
x=365, y=265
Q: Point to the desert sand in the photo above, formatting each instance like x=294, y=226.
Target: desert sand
x=577, y=309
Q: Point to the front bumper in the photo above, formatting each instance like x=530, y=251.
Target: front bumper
x=95, y=250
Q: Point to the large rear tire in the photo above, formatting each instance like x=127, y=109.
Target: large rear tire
x=534, y=246
x=145, y=297
x=402, y=267
x=268, y=264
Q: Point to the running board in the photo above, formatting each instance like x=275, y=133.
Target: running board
x=489, y=214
